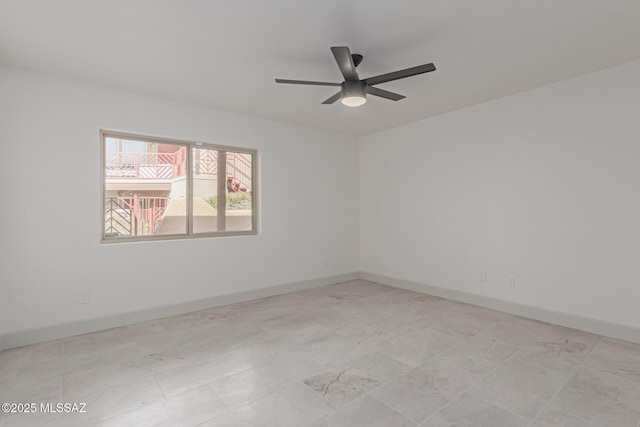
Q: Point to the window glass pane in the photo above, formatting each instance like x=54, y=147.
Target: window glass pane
x=205, y=190
x=238, y=207
x=145, y=188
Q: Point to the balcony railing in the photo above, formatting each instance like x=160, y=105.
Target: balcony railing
x=239, y=167
x=134, y=216
x=166, y=166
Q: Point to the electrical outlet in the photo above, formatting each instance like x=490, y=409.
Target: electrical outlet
x=483, y=276
x=512, y=283
x=83, y=297
x=326, y=262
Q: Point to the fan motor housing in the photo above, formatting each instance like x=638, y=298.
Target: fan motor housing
x=353, y=89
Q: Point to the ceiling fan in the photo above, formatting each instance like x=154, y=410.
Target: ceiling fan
x=353, y=91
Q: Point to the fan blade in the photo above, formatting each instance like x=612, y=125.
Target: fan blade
x=384, y=93
x=345, y=63
x=304, y=82
x=333, y=98
x=382, y=78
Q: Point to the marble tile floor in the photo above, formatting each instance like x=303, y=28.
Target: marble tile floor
x=351, y=354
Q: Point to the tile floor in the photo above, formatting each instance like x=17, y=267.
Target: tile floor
x=351, y=354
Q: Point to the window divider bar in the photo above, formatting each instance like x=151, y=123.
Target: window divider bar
x=222, y=189
x=190, y=179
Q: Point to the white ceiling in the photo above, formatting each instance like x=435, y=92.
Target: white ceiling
x=225, y=54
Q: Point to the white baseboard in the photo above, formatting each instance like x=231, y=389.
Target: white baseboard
x=31, y=336
x=596, y=326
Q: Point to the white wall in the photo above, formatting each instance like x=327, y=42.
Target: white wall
x=543, y=186
x=50, y=205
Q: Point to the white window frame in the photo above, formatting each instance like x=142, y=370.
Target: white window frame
x=221, y=171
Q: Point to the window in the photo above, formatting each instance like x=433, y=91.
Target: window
x=158, y=189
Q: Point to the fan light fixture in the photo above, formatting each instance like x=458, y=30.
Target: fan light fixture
x=353, y=101
x=353, y=94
